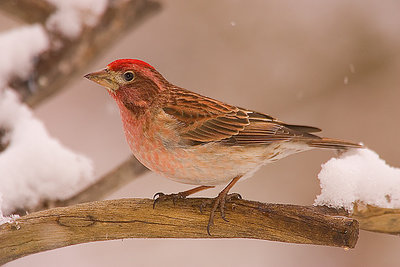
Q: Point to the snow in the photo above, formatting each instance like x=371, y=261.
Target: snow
x=35, y=166
x=18, y=49
x=359, y=176
x=6, y=219
x=71, y=16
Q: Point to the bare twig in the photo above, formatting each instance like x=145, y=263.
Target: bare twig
x=377, y=219
x=136, y=218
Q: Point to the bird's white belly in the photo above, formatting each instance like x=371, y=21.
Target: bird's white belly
x=213, y=164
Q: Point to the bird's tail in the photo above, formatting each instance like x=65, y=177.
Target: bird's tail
x=333, y=144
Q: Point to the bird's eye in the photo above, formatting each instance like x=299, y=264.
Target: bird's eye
x=128, y=76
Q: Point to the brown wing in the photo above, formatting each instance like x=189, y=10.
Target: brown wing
x=263, y=129
x=205, y=119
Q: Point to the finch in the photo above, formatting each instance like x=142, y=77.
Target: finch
x=197, y=140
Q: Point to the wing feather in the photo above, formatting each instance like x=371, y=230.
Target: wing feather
x=204, y=119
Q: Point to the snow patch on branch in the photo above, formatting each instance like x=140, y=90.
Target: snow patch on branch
x=34, y=166
x=71, y=16
x=359, y=176
x=6, y=219
x=18, y=49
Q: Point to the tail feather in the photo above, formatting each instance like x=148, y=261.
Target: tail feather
x=333, y=144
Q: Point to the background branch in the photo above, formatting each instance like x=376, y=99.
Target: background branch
x=3, y=140
x=117, y=178
x=377, y=219
x=135, y=218
x=66, y=58
x=29, y=11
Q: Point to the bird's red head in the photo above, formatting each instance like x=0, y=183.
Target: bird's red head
x=124, y=64
x=133, y=83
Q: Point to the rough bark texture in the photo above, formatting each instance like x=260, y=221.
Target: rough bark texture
x=136, y=218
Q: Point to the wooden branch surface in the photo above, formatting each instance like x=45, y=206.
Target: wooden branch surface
x=136, y=218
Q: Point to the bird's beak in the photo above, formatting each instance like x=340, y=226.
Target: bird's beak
x=104, y=78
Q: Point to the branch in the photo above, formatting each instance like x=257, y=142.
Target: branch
x=3, y=140
x=120, y=176
x=136, y=218
x=67, y=58
x=126, y=172
x=29, y=11
x=376, y=219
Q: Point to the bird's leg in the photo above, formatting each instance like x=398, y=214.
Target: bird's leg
x=220, y=201
x=161, y=196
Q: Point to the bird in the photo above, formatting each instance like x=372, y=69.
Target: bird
x=198, y=140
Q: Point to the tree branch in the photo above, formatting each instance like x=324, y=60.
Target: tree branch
x=30, y=11
x=376, y=219
x=66, y=58
x=136, y=218
x=120, y=176
x=126, y=172
x=3, y=140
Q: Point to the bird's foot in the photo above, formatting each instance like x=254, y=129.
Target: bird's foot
x=163, y=197
x=219, y=201
x=181, y=195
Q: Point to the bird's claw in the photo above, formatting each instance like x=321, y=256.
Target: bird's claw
x=157, y=195
x=162, y=197
x=233, y=196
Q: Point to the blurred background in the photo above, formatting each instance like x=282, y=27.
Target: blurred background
x=331, y=64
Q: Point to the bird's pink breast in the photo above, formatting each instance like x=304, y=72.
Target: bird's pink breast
x=147, y=145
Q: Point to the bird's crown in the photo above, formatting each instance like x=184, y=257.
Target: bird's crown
x=123, y=64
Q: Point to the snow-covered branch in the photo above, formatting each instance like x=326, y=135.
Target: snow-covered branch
x=35, y=167
x=115, y=179
x=77, y=32
x=136, y=218
x=31, y=11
